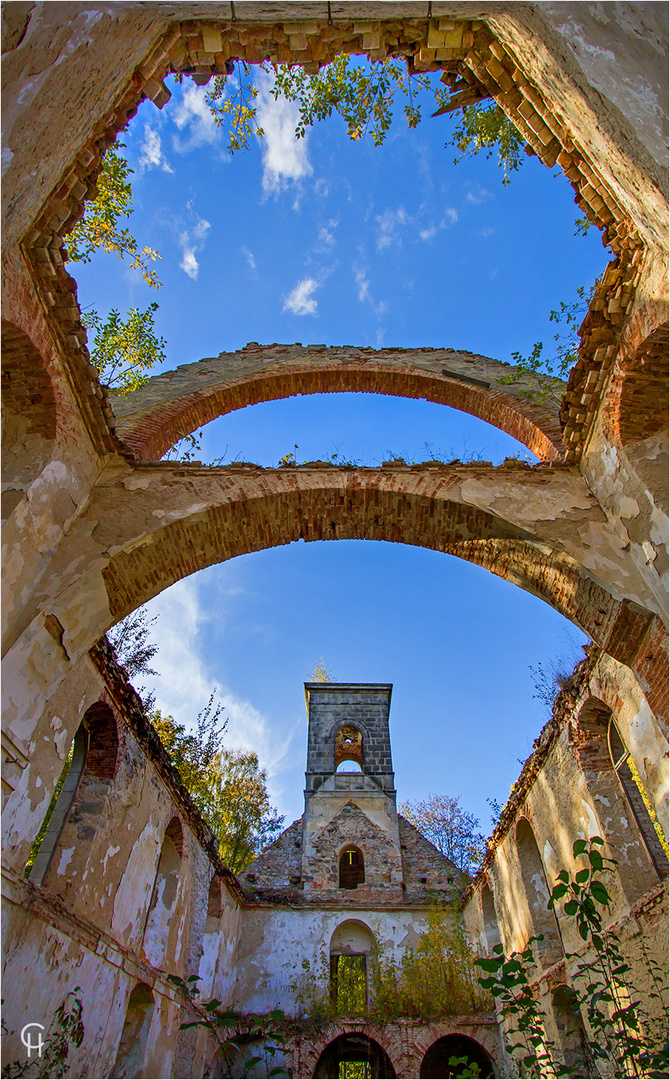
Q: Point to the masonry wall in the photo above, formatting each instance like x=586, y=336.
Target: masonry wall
x=100, y=921
x=568, y=790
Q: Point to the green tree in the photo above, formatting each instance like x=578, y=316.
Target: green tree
x=365, y=96
x=100, y=227
x=453, y=831
x=228, y=786
x=124, y=349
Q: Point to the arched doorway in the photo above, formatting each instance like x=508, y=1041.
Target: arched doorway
x=450, y=1048
x=354, y=1055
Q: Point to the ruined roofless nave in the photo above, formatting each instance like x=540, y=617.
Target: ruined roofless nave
x=128, y=887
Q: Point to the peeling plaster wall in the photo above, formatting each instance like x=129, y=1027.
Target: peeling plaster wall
x=275, y=941
x=574, y=792
x=85, y=927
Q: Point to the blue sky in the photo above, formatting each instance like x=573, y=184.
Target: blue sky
x=322, y=240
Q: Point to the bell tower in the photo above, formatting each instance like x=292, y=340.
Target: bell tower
x=351, y=842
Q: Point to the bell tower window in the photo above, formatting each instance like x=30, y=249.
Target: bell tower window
x=352, y=868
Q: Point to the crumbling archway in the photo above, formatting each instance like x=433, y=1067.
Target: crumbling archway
x=152, y=418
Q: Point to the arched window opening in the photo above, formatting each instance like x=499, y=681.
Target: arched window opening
x=638, y=800
x=211, y=937
x=135, y=1035
x=543, y=921
x=164, y=895
x=354, y=1055
x=44, y=845
x=627, y=823
x=436, y=1065
x=350, y=949
x=352, y=868
x=80, y=798
x=491, y=931
x=348, y=765
x=348, y=747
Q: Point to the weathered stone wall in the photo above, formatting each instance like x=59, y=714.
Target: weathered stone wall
x=97, y=921
x=331, y=706
x=568, y=790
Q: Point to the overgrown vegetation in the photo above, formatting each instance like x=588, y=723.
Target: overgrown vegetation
x=228, y=786
x=244, y=1042
x=623, y=1038
x=436, y=977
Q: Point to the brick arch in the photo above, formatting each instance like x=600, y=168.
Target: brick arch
x=518, y=63
x=28, y=412
x=154, y=417
x=236, y=511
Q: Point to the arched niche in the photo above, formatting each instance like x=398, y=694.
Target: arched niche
x=354, y=1048
x=135, y=1035
x=435, y=1063
x=489, y=919
x=211, y=937
x=618, y=800
x=156, y=944
x=351, y=868
x=28, y=415
x=351, y=947
x=536, y=890
x=81, y=807
x=348, y=747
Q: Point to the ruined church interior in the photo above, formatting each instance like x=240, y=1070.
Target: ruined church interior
x=127, y=897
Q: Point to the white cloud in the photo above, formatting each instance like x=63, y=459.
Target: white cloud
x=388, y=227
x=325, y=236
x=152, y=155
x=193, y=116
x=450, y=217
x=192, y=240
x=365, y=295
x=428, y=234
x=300, y=300
x=251, y=262
x=477, y=195
x=185, y=683
x=285, y=158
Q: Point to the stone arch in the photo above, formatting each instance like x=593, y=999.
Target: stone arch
x=28, y=415
x=351, y=867
x=355, y=1047
x=349, y=746
x=135, y=1035
x=155, y=416
x=81, y=806
x=147, y=529
x=624, y=822
x=157, y=931
x=536, y=890
x=435, y=1061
